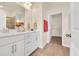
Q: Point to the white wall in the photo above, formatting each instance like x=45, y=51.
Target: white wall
x=56, y=25
x=27, y=19
x=53, y=7
x=36, y=16
x=41, y=11
x=2, y=19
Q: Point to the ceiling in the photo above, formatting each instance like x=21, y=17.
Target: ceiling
x=11, y=6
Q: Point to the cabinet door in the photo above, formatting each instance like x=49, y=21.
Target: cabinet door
x=6, y=50
x=34, y=41
x=19, y=48
x=28, y=44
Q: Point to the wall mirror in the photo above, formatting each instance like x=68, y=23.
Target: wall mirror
x=14, y=15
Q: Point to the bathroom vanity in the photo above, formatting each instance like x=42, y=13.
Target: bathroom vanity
x=18, y=43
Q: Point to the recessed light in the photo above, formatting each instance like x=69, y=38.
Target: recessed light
x=28, y=4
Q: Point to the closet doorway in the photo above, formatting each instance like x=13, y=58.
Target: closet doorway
x=55, y=27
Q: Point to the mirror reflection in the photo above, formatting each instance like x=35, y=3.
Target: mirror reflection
x=14, y=15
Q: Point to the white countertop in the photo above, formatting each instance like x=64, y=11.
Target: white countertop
x=14, y=33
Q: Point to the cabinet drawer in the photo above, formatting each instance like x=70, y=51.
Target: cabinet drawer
x=4, y=41
x=28, y=35
x=16, y=38
x=10, y=39
x=28, y=42
x=28, y=38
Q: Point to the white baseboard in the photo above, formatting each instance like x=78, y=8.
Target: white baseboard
x=42, y=46
x=65, y=45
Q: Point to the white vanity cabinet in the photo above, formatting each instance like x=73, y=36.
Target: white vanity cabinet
x=6, y=50
x=28, y=44
x=12, y=45
x=19, y=44
x=34, y=41
x=31, y=43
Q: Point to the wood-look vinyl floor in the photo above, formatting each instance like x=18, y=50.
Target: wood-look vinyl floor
x=54, y=48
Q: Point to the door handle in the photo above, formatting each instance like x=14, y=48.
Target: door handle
x=68, y=35
x=15, y=48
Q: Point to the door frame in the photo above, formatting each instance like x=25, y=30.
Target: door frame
x=49, y=15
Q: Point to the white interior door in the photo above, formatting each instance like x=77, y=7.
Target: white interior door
x=74, y=49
